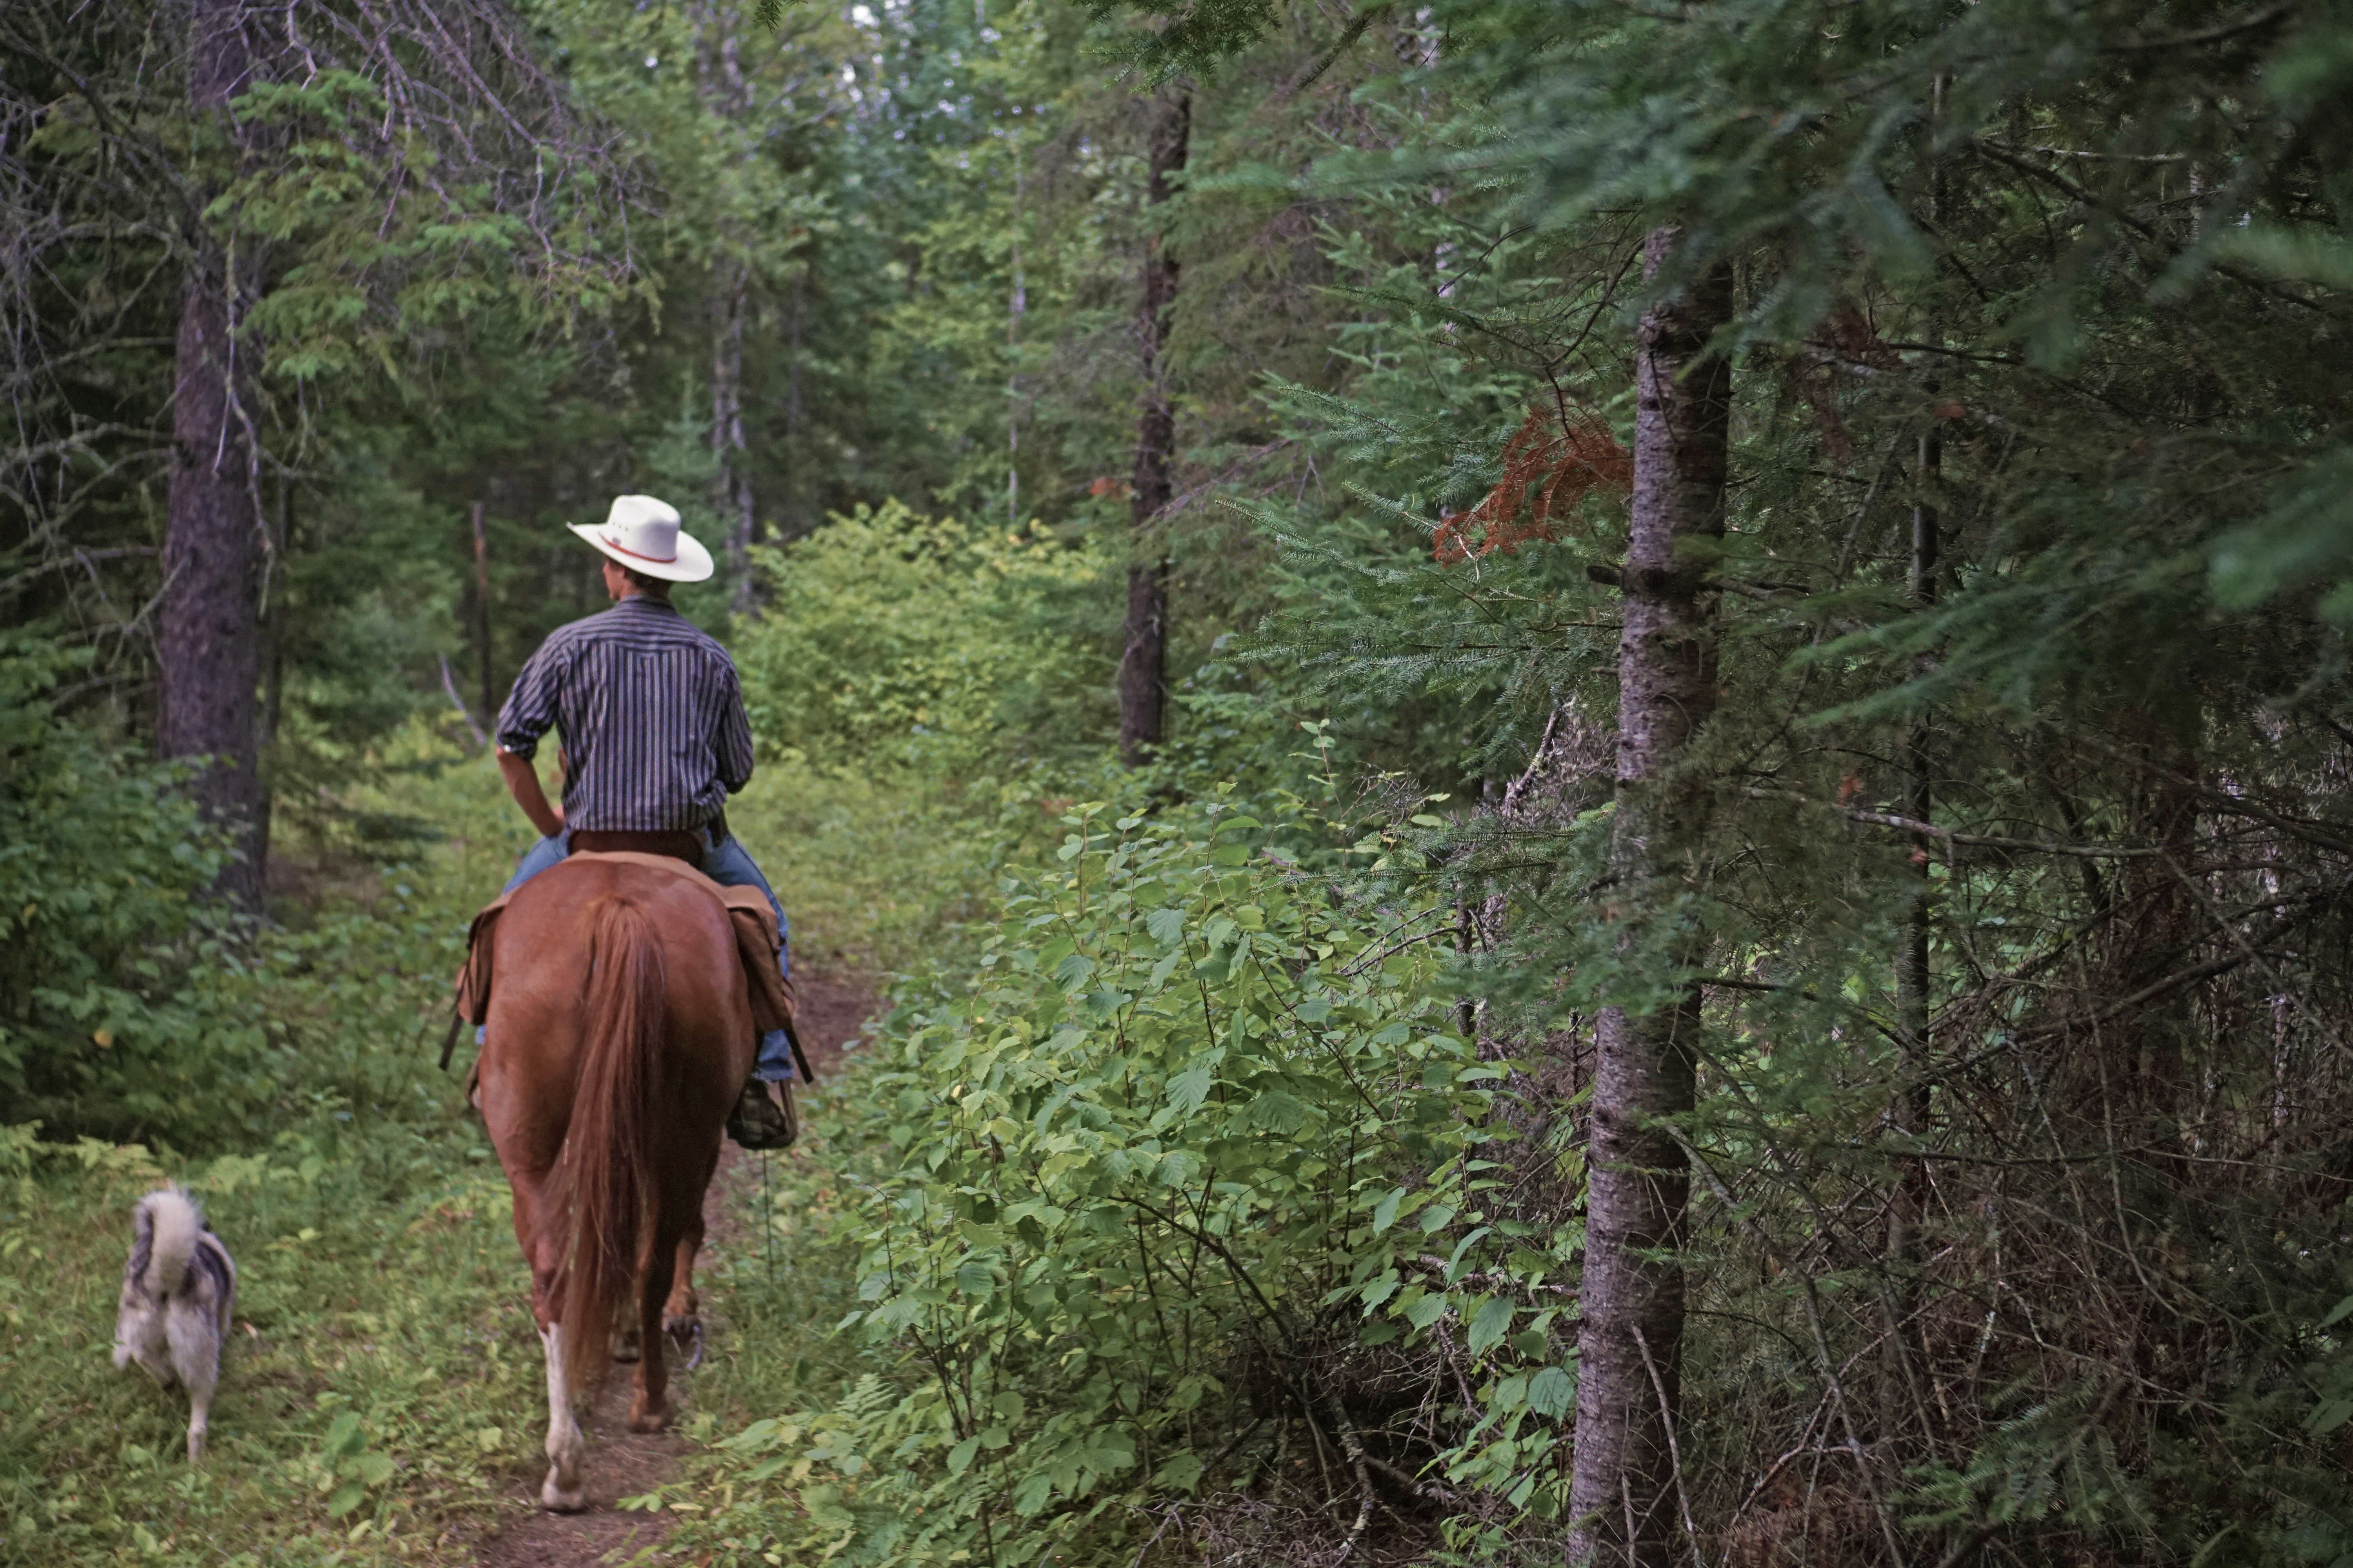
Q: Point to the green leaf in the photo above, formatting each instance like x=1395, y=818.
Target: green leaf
x=1187, y=1090
x=960, y=1457
x=1426, y=1310
x=1278, y=1112
x=1551, y=1393
x=1034, y=1492
x=1489, y=1326
x=1384, y=1212
x=1180, y=1471
x=344, y=1436
x=347, y=1497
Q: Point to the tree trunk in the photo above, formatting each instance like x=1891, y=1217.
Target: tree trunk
x=796, y=521
x=1143, y=680
x=207, y=621
x=1624, y=1488
x=483, y=674
x=1902, y=1393
x=727, y=97
x=731, y=485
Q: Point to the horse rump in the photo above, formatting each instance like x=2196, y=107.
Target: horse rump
x=602, y=1193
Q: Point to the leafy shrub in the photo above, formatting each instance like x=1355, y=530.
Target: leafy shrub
x=892, y=637
x=130, y=1007
x=1199, y=1129
x=101, y=859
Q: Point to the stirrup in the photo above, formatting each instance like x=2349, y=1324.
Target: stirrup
x=759, y=1123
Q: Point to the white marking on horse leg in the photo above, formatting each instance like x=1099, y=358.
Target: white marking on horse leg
x=562, y=1491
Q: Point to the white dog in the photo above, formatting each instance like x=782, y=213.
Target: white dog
x=178, y=1290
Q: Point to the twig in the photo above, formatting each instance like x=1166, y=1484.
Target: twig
x=1348, y=35
x=450, y=685
x=1930, y=829
x=1674, y=1448
x=1353, y=1447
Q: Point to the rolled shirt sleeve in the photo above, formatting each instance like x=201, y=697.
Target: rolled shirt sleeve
x=531, y=706
x=732, y=746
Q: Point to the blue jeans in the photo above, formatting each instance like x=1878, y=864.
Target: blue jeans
x=730, y=865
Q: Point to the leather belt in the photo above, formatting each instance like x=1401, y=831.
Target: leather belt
x=687, y=844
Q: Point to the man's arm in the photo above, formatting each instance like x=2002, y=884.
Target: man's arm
x=522, y=783
x=529, y=713
x=732, y=745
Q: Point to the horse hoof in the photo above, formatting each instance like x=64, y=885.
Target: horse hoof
x=643, y=1418
x=557, y=1499
x=627, y=1350
x=686, y=1333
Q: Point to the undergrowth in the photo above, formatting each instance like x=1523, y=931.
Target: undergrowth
x=1179, y=1192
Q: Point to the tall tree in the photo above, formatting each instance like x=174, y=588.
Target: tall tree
x=208, y=618
x=1143, y=676
x=727, y=98
x=1629, y=1347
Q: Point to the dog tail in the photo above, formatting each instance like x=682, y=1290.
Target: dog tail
x=164, y=1228
x=605, y=1176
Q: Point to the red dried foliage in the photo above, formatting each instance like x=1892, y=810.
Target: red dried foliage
x=1550, y=464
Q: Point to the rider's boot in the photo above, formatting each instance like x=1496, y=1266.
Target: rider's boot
x=762, y=1119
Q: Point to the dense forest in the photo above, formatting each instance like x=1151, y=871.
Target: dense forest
x=1594, y=759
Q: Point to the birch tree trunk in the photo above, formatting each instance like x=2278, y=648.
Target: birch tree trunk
x=1142, y=677
x=207, y=621
x=1624, y=1488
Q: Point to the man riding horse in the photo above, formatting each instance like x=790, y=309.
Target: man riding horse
x=655, y=740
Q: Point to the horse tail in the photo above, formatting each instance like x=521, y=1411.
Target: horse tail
x=604, y=1179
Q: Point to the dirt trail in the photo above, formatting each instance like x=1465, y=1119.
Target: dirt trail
x=622, y=1463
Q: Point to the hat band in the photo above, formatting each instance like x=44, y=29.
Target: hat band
x=669, y=559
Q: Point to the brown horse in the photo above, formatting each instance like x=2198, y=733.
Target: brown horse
x=618, y=1034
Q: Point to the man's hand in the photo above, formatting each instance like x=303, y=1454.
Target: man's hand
x=522, y=783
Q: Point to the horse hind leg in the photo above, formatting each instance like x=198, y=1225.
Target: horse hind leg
x=562, y=1492
x=651, y=1409
x=682, y=1313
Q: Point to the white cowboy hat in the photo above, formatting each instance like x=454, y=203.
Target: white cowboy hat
x=643, y=535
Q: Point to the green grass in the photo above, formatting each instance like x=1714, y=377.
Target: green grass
x=382, y=1353
x=381, y=1400
x=381, y=1396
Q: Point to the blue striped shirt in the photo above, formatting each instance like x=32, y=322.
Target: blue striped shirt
x=651, y=716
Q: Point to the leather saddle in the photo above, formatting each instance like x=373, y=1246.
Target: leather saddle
x=748, y=912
